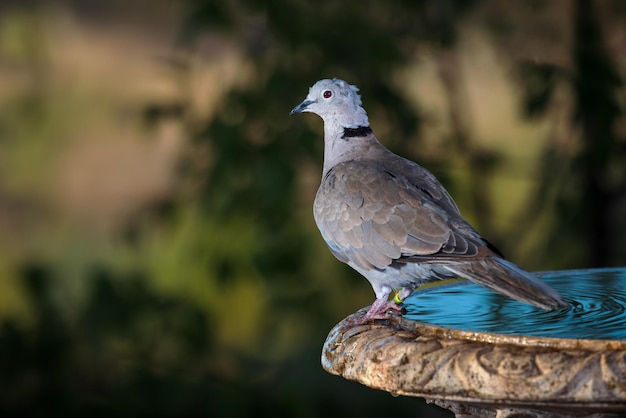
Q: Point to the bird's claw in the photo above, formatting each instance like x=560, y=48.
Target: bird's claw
x=379, y=310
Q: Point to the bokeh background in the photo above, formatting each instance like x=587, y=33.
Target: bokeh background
x=158, y=255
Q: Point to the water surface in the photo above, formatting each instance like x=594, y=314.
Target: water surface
x=597, y=298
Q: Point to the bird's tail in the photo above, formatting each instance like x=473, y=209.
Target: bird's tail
x=505, y=277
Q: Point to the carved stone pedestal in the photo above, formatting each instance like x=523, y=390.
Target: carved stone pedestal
x=482, y=375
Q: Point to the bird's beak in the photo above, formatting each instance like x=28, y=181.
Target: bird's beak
x=302, y=107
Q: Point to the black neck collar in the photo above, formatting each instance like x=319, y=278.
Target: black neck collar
x=356, y=132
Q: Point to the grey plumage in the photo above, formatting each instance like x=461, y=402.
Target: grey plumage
x=391, y=220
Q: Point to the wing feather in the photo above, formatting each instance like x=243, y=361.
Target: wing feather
x=373, y=216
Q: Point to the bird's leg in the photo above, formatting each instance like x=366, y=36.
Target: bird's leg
x=402, y=294
x=381, y=307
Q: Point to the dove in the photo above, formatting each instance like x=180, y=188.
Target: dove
x=392, y=221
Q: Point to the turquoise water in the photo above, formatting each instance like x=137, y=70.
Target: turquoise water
x=597, y=298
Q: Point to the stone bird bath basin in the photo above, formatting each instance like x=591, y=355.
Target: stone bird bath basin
x=475, y=371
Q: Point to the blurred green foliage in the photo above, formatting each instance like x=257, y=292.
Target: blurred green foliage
x=213, y=297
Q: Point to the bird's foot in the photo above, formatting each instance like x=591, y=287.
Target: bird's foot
x=380, y=309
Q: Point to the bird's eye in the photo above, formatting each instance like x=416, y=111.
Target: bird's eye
x=327, y=94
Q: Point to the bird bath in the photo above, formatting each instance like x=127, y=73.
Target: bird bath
x=480, y=354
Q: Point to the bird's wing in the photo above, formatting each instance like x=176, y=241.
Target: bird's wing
x=372, y=216
x=424, y=180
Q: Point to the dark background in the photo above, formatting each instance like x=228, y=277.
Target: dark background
x=158, y=255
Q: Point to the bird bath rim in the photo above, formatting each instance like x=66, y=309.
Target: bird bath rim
x=515, y=340
x=478, y=374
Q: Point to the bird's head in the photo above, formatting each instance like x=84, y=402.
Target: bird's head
x=335, y=101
